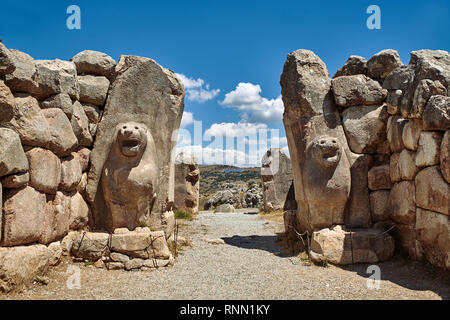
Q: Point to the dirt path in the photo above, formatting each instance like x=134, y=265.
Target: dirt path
x=235, y=256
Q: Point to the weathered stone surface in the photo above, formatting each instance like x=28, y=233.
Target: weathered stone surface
x=56, y=76
x=130, y=176
x=80, y=125
x=354, y=65
x=402, y=202
x=62, y=140
x=407, y=239
x=326, y=175
x=394, y=168
x=45, y=170
x=226, y=207
x=6, y=61
x=394, y=132
x=78, y=212
x=70, y=172
x=432, y=192
x=379, y=205
x=399, y=78
x=157, y=102
x=119, y=257
x=55, y=249
x=187, y=183
x=55, y=222
x=357, y=90
x=67, y=242
x=357, y=211
x=30, y=122
x=115, y=265
x=12, y=156
x=61, y=101
x=20, y=265
x=428, y=149
x=436, y=115
x=23, y=213
x=7, y=103
x=341, y=247
x=15, y=180
x=393, y=101
x=424, y=90
x=22, y=78
x=411, y=134
x=276, y=175
x=90, y=245
x=220, y=197
x=93, y=113
x=379, y=178
x=365, y=128
x=94, y=62
x=407, y=165
x=445, y=156
x=383, y=63
x=433, y=231
x=141, y=243
x=83, y=156
x=93, y=89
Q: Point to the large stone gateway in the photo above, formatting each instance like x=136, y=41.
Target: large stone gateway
x=369, y=151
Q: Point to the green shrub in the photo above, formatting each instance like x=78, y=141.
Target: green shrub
x=179, y=214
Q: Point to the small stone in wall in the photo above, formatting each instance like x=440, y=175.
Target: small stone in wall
x=63, y=140
x=357, y=90
x=12, y=155
x=395, y=127
x=424, y=90
x=411, y=134
x=407, y=164
x=70, y=172
x=436, y=115
x=379, y=205
x=379, y=178
x=61, y=101
x=45, y=170
x=354, y=65
x=80, y=125
x=93, y=89
x=428, y=149
x=383, y=63
x=7, y=103
x=16, y=180
x=22, y=78
x=94, y=62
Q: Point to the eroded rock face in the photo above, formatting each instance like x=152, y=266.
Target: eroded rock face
x=94, y=62
x=7, y=103
x=130, y=176
x=6, y=61
x=226, y=207
x=428, y=148
x=379, y=178
x=93, y=89
x=357, y=90
x=402, y=202
x=383, y=63
x=45, y=170
x=276, y=175
x=22, y=78
x=445, y=156
x=354, y=65
x=436, y=115
x=62, y=140
x=432, y=192
x=187, y=183
x=156, y=102
x=12, y=156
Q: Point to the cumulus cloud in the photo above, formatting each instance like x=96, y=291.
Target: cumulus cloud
x=197, y=89
x=247, y=99
x=187, y=119
x=231, y=129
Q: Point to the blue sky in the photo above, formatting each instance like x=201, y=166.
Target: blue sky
x=223, y=44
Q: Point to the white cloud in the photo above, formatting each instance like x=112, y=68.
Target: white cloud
x=247, y=99
x=197, y=89
x=187, y=119
x=231, y=129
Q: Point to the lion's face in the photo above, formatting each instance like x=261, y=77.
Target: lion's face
x=132, y=138
x=326, y=151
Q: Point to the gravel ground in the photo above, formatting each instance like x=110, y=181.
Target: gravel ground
x=235, y=256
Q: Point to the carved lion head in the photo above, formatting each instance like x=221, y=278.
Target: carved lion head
x=326, y=151
x=131, y=138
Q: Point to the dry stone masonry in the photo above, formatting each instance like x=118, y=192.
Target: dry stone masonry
x=86, y=149
x=370, y=155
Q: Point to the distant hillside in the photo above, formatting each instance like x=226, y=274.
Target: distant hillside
x=213, y=175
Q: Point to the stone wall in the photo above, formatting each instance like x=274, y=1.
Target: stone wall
x=383, y=129
x=58, y=120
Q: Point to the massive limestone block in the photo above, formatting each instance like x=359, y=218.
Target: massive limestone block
x=395, y=126
x=130, y=176
x=61, y=101
x=379, y=205
x=23, y=214
x=20, y=265
x=45, y=170
x=340, y=246
x=30, y=122
x=436, y=115
x=393, y=101
x=276, y=175
x=94, y=62
x=78, y=212
x=357, y=90
x=382, y=63
x=23, y=78
x=7, y=103
x=90, y=245
x=142, y=92
x=55, y=222
x=432, y=191
x=84, y=156
x=70, y=172
x=12, y=156
x=326, y=176
x=445, y=156
x=310, y=112
x=425, y=89
x=394, y=168
x=354, y=65
x=187, y=183
x=428, y=148
x=402, y=202
x=407, y=165
x=141, y=243
x=411, y=134
x=406, y=236
x=433, y=231
x=365, y=128
x=56, y=76
x=6, y=61
x=63, y=140
x=379, y=178
x=80, y=125
x=93, y=89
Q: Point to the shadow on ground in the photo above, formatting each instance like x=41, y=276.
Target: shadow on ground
x=414, y=275
x=255, y=242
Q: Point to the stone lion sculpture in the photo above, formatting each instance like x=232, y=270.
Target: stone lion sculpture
x=130, y=176
x=327, y=181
